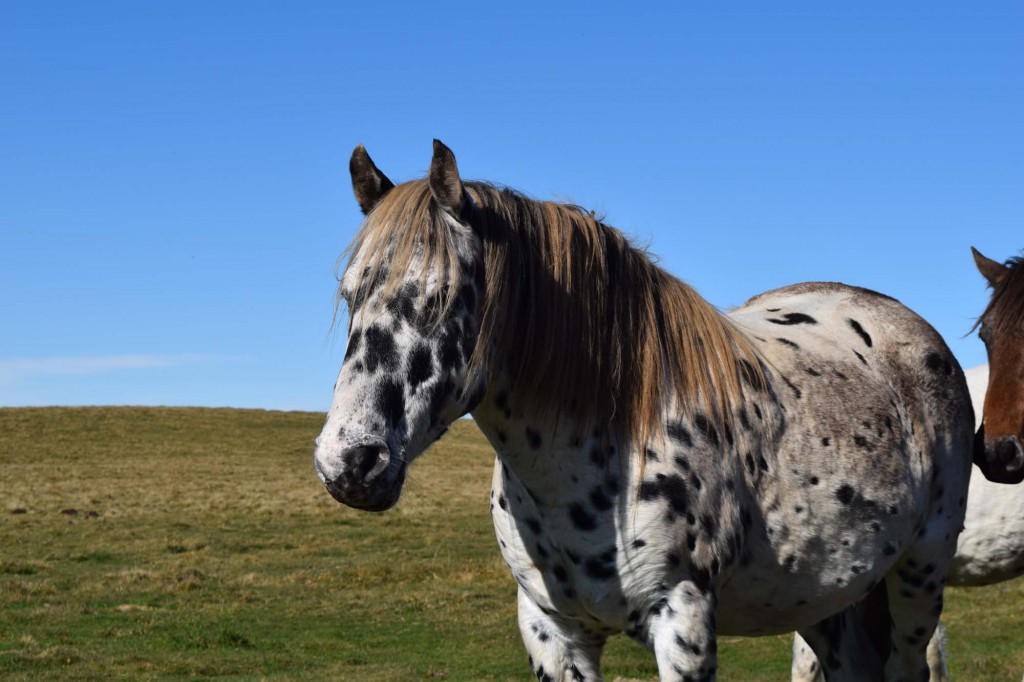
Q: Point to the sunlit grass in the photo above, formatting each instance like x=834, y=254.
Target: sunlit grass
x=143, y=543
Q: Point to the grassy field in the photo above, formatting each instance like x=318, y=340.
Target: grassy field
x=143, y=543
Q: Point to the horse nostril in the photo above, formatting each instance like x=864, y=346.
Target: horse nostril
x=1007, y=450
x=367, y=462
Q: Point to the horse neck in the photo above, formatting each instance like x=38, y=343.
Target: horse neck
x=554, y=454
x=546, y=453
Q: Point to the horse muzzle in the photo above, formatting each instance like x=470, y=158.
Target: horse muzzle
x=1001, y=459
x=363, y=476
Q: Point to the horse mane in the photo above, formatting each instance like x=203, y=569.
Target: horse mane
x=578, y=318
x=1005, y=310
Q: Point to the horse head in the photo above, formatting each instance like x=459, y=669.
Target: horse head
x=410, y=285
x=998, y=450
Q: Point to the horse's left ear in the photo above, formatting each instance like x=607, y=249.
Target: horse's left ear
x=369, y=184
x=444, y=180
x=991, y=270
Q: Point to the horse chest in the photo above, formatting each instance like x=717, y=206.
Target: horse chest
x=601, y=550
x=565, y=555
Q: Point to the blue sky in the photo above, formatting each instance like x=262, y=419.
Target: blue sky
x=174, y=191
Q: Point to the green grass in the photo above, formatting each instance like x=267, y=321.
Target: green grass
x=201, y=545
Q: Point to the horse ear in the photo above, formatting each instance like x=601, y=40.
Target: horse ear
x=369, y=183
x=444, y=180
x=991, y=270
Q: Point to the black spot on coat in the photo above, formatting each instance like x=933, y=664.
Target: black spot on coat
x=353, y=343
x=937, y=364
x=421, y=365
x=845, y=493
x=678, y=432
x=672, y=488
x=794, y=318
x=581, y=518
x=380, y=350
x=390, y=402
x=706, y=429
x=860, y=332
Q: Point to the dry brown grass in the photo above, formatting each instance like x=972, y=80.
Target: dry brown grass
x=211, y=550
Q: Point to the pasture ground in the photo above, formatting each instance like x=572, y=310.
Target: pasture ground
x=154, y=543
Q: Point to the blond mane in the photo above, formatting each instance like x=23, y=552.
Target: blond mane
x=580, y=320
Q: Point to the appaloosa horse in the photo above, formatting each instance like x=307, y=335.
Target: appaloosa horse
x=662, y=470
x=991, y=547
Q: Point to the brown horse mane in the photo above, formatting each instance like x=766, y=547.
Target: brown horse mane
x=579, y=319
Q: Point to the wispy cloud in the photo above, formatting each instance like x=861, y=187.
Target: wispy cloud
x=17, y=368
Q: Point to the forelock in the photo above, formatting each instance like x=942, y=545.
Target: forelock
x=405, y=232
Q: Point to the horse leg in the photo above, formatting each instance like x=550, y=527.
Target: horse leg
x=805, y=663
x=915, y=587
x=845, y=651
x=937, y=655
x=558, y=651
x=682, y=629
x=873, y=613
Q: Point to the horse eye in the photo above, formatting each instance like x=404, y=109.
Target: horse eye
x=983, y=332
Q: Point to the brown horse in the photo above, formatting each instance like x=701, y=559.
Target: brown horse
x=998, y=447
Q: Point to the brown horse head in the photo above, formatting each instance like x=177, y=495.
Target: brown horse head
x=999, y=445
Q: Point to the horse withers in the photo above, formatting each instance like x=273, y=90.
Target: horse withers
x=662, y=470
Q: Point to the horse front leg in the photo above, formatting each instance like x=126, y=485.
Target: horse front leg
x=559, y=650
x=682, y=630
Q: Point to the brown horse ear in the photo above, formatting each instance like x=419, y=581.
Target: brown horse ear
x=444, y=180
x=991, y=270
x=369, y=183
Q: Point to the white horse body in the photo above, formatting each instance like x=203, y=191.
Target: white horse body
x=991, y=546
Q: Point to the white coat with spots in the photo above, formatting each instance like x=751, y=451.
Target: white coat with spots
x=990, y=548
x=842, y=464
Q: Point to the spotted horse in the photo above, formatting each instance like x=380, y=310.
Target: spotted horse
x=991, y=547
x=662, y=470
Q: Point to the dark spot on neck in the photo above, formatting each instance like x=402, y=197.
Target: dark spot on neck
x=678, y=432
x=707, y=430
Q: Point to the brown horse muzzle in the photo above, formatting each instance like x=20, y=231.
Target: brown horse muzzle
x=1001, y=460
